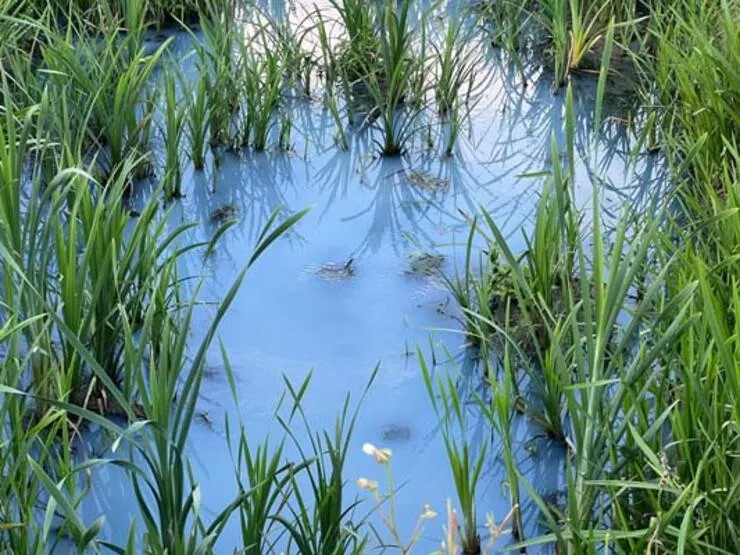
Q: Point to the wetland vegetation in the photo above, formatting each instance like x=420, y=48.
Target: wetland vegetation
x=149, y=154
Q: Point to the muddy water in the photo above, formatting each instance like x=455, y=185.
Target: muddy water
x=303, y=309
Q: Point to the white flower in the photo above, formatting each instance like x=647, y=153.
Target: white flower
x=364, y=483
x=381, y=456
x=427, y=513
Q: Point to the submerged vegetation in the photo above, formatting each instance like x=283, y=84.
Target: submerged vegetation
x=621, y=342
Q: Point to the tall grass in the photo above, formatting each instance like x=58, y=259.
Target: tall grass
x=168, y=392
x=198, y=116
x=261, y=80
x=697, y=107
x=631, y=328
x=575, y=27
x=457, y=61
x=105, y=91
x=466, y=464
x=323, y=521
x=389, y=80
x=360, y=50
x=162, y=385
x=20, y=488
x=173, y=132
x=106, y=12
x=217, y=66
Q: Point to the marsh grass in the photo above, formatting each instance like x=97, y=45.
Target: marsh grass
x=80, y=231
x=569, y=35
x=261, y=83
x=500, y=415
x=322, y=520
x=696, y=107
x=630, y=322
x=359, y=52
x=217, y=66
x=107, y=13
x=198, y=116
x=466, y=463
x=457, y=61
x=168, y=393
x=164, y=390
x=20, y=488
x=507, y=21
x=389, y=80
x=173, y=132
x=106, y=88
x=262, y=466
x=340, y=136
x=473, y=290
x=153, y=380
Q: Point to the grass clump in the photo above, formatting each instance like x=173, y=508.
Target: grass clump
x=638, y=319
x=465, y=463
x=389, y=82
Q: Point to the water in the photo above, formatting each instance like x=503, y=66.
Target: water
x=289, y=320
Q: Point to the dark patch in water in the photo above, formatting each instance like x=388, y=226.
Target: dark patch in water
x=224, y=213
x=427, y=182
x=393, y=432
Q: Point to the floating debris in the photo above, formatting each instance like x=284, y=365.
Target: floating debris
x=333, y=271
x=427, y=182
x=224, y=213
x=205, y=417
x=425, y=264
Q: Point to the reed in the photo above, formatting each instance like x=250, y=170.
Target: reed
x=106, y=12
x=389, y=82
x=197, y=118
x=216, y=61
x=321, y=519
x=698, y=110
x=164, y=388
x=456, y=60
x=104, y=91
x=608, y=385
x=20, y=489
x=507, y=23
x=340, y=136
x=261, y=84
x=173, y=128
x=359, y=52
x=465, y=463
x=472, y=289
x=500, y=415
x=286, y=128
